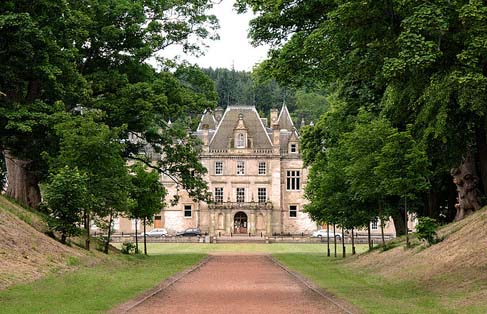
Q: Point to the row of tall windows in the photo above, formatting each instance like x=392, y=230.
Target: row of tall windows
x=240, y=167
x=188, y=209
x=240, y=195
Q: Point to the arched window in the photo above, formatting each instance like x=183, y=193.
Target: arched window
x=240, y=140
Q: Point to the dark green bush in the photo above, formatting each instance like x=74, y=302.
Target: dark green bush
x=128, y=248
x=426, y=230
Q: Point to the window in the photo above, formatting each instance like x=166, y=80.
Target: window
x=293, y=211
x=218, y=195
x=293, y=180
x=262, y=168
x=293, y=148
x=262, y=195
x=240, y=195
x=218, y=167
x=187, y=211
x=240, y=140
x=240, y=167
x=374, y=225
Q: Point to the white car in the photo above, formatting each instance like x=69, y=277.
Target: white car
x=157, y=232
x=322, y=233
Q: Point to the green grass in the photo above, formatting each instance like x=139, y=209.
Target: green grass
x=274, y=248
x=94, y=289
x=371, y=293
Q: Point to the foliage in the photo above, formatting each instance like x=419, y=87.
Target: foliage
x=426, y=229
x=70, y=56
x=66, y=197
x=128, y=248
x=419, y=65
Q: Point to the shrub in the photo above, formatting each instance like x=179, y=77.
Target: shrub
x=128, y=248
x=426, y=229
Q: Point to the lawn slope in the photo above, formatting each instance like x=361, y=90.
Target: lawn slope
x=455, y=268
x=26, y=252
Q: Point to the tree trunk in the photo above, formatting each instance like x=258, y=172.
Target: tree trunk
x=23, y=185
x=344, y=254
x=369, y=237
x=482, y=157
x=335, y=239
x=109, y=233
x=328, y=238
x=87, y=229
x=145, y=239
x=353, y=242
x=398, y=219
x=433, y=204
x=466, y=179
x=136, y=237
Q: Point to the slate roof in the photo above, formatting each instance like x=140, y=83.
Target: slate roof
x=285, y=121
x=253, y=123
x=209, y=119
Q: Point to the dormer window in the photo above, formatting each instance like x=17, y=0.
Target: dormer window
x=293, y=148
x=240, y=142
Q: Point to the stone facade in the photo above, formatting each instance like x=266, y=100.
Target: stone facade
x=255, y=174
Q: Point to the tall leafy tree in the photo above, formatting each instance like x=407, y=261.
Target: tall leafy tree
x=420, y=63
x=147, y=195
x=66, y=198
x=57, y=56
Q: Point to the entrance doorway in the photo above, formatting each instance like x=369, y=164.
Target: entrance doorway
x=240, y=223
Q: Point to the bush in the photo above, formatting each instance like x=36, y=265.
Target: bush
x=128, y=248
x=426, y=229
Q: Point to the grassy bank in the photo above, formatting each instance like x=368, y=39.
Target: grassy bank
x=375, y=294
x=94, y=289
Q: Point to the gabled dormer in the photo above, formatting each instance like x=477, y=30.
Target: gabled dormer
x=240, y=133
x=293, y=143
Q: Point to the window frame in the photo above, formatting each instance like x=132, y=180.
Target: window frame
x=218, y=201
x=185, y=211
x=240, y=197
x=259, y=194
x=374, y=224
x=220, y=163
x=264, y=164
x=293, y=148
x=293, y=210
x=240, y=140
x=293, y=180
x=240, y=167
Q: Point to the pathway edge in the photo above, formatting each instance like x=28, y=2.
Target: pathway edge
x=311, y=285
x=129, y=305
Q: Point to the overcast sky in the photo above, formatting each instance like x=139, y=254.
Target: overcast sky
x=233, y=48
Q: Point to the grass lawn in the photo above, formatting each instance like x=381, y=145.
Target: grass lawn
x=94, y=289
x=274, y=248
x=373, y=294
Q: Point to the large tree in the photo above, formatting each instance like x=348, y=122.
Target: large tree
x=60, y=56
x=415, y=62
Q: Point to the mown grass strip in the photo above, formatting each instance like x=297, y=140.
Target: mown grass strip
x=373, y=294
x=94, y=289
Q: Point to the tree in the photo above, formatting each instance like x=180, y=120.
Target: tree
x=66, y=198
x=96, y=151
x=58, y=54
x=147, y=195
x=414, y=63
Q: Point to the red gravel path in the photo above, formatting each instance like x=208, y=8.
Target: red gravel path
x=238, y=284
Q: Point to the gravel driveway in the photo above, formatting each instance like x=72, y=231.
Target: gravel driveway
x=238, y=284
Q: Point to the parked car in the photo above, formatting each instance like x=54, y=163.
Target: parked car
x=323, y=233
x=191, y=232
x=157, y=232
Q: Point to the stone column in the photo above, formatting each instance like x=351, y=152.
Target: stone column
x=252, y=223
x=212, y=222
x=268, y=220
x=228, y=222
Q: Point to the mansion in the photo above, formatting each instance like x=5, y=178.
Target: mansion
x=255, y=174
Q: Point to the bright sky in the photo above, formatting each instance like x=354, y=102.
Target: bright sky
x=233, y=48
